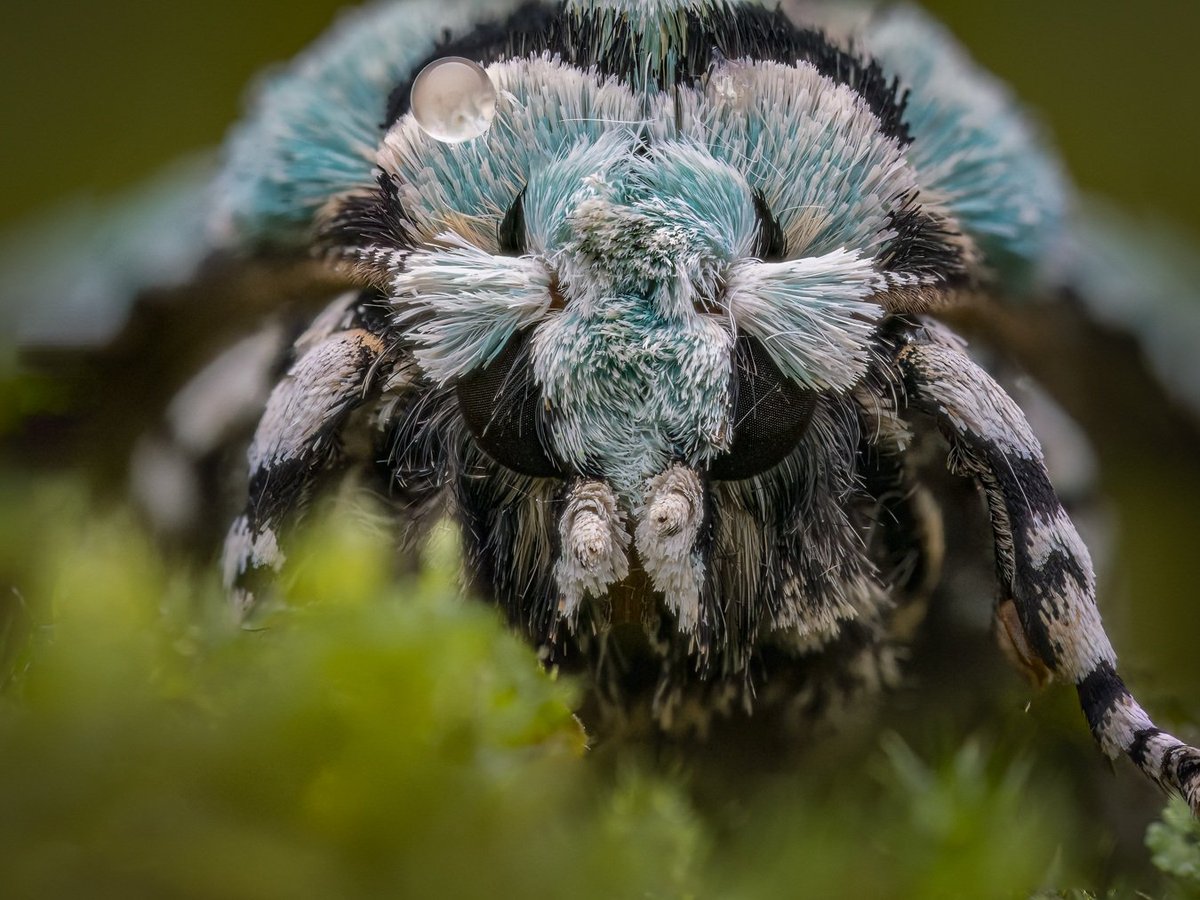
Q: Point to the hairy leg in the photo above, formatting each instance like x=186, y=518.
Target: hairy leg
x=341, y=363
x=1044, y=568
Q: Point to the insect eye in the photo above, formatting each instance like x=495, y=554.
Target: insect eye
x=770, y=414
x=502, y=406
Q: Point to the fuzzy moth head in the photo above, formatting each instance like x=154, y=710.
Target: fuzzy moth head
x=625, y=280
x=617, y=281
x=645, y=328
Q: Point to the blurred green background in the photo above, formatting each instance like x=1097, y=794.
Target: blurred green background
x=94, y=97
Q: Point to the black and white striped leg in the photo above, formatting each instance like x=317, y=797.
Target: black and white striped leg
x=341, y=362
x=1043, y=565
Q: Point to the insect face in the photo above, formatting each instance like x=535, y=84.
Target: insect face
x=660, y=311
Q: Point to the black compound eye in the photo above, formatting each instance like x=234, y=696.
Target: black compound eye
x=770, y=414
x=502, y=406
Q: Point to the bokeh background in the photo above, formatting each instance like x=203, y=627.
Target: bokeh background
x=95, y=97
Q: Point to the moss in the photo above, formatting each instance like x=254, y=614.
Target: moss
x=376, y=736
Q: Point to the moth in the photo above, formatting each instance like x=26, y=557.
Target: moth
x=662, y=302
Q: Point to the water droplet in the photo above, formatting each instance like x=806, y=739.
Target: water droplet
x=453, y=100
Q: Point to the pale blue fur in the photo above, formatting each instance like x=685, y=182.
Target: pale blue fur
x=974, y=145
x=640, y=236
x=466, y=304
x=552, y=191
x=812, y=148
x=630, y=390
x=665, y=225
x=813, y=315
x=650, y=244
x=544, y=111
x=633, y=375
x=315, y=125
x=706, y=195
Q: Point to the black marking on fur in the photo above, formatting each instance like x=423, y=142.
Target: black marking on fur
x=1137, y=749
x=903, y=556
x=376, y=218
x=758, y=32
x=770, y=413
x=374, y=312
x=1028, y=478
x=420, y=448
x=275, y=488
x=257, y=581
x=1099, y=692
x=711, y=633
x=923, y=246
x=1059, y=572
x=606, y=40
x=510, y=235
x=1023, y=488
x=1188, y=769
x=498, y=535
x=771, y=244
x=502, y=406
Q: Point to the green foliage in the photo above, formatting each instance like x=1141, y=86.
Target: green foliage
x=366, y=737
x=379, y=736
x=1175, y=843
x=918, y=831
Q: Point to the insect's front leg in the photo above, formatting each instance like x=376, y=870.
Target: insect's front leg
x=1043, y=565
x=342, y=362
